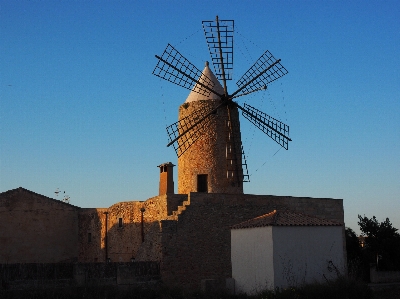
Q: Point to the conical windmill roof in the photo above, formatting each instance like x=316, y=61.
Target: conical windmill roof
x=194, y=96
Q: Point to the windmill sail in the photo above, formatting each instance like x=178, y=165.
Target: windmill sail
x=210, y=118
x=264, y=71
x=274, y=128
x=219, y=37
x=183, y=133
x=175, y=68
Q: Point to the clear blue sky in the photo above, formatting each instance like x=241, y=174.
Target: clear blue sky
x=81, y=111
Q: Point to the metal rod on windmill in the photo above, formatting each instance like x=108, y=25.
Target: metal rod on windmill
x=222, y=59
x=174, y=67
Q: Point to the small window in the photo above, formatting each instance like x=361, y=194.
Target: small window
x=202, y=183
x=89, y=237
x=120, y=223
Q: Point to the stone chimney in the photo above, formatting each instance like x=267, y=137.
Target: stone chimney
x=166, y=178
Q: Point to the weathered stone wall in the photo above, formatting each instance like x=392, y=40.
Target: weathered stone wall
x=91, y=221
x=197, y=245
x=173, y=202
x=188, y=234
x=35, y=228
x=125, y=242
x=157, y=208
x=208, y=154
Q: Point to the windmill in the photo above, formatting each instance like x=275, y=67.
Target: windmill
x=207, y=137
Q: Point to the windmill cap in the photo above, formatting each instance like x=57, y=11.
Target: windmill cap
x=207, y=73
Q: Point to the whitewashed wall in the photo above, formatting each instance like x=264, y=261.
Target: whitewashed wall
x=252, y=259
x=302, y=254
x=283, y=256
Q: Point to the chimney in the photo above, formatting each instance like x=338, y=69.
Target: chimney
x=166, y=178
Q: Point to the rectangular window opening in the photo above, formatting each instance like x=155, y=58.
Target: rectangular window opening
x=120, y=223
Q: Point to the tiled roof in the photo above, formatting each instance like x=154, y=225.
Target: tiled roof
x=285, y=218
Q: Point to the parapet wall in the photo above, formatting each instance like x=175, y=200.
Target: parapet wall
x=188, y=234
x=36, y=228
x=124, y=237
x=198, y=246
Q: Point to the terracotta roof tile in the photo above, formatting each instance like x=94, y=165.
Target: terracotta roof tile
x=285, y=218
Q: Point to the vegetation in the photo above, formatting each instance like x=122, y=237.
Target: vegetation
x=357, y=264
x=341, y=289
x=382, y=243
x=381, y=247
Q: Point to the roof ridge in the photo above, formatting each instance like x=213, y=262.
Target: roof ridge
x=286, y=218
x=34, y=193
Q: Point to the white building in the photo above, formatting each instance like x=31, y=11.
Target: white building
x=283, y=249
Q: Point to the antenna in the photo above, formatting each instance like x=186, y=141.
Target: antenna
x=66, y=197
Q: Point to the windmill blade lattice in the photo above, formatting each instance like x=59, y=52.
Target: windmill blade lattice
x=259, y=75
x=191, y=129
x=225, y=28
x=277, y=130
x=175, y=68
x=216, y=130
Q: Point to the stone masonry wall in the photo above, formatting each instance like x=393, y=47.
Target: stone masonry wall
x=35, y=228
x=91, y=221
x=150, y=249
x=197, y=245
x=188, y=234
x=208, y=154
x=125, y=242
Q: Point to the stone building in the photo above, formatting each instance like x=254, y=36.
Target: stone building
x=36, y=228
x=187, y=233
x=213, y=162
x=285, y=249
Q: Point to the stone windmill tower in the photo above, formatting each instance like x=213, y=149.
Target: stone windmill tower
x=207, y=135
x=211, y=164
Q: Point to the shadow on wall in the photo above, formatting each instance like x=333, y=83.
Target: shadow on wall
x=36, y=228
x=132, y=229
x=128, y=242
x=126, y=239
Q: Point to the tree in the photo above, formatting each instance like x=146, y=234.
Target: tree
x=382, y=242
x=355, y=266
x=353, y=247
